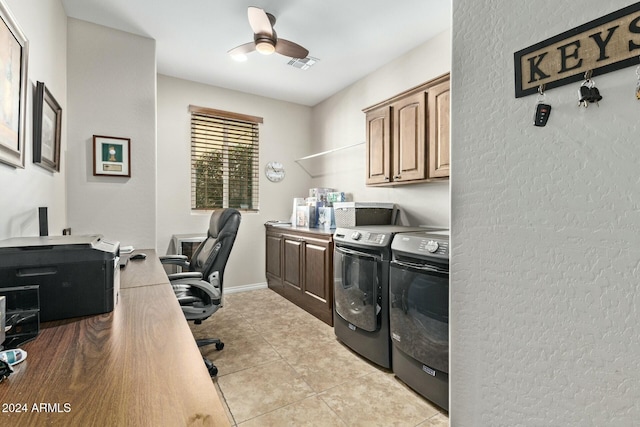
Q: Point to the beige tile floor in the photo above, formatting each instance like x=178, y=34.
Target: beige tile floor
x=283, y=367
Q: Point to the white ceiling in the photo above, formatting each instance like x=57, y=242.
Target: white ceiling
x=351, y=38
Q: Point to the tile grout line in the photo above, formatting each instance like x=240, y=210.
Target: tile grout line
x=233, y=418
x=251, y=367
x=282, y=358
x=243, y=311
x=330, y=408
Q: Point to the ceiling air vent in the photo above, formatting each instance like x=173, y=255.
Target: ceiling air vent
x=304, y=63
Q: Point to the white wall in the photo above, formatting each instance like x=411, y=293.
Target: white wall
x=112, y=91
x=339, y=121
x=23, y=190
x=545, y=232
x=284, y=137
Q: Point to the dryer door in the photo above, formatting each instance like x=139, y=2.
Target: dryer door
x=357, y=287
x=419, y=313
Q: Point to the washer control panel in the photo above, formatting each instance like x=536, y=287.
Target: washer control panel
x=372, y=236
x=363, y=237
x=423, y=245
x=432, y=246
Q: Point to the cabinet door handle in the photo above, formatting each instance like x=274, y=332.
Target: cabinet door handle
x=397, y=177
x=386, y=178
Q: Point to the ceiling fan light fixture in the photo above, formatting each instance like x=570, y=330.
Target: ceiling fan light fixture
x=239, y=57
x=265, y=46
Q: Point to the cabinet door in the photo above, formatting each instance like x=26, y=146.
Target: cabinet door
x=316, y=274
x=378, y=145
x=273, y=257
x=292, y=263
x=439, y=130
x=409, y=139
x=318, y=279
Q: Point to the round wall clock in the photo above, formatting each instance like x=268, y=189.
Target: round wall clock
x=274, y=171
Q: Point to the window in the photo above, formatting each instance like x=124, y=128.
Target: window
x=224, y=159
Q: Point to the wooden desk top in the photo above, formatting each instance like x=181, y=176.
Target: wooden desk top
x=143, y=273
x=136, y=366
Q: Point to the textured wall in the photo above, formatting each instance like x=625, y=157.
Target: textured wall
x=24, y=190
x=339, y=121
x=112, y=91
x=545, y=232
x=284, y=136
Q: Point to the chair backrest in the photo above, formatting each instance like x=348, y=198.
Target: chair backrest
x=213, y=253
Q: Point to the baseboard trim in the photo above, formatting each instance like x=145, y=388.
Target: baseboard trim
x=245, y=288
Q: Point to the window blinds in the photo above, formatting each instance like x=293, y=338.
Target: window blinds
x=224, y=160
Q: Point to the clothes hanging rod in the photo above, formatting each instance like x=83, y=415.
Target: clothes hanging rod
x=329, y=151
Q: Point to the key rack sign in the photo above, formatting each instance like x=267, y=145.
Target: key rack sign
x=606, y=44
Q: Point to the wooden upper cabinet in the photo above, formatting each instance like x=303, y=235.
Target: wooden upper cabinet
x=408, y=136
x=409, y=142
x=439, y=129
x=379, y=145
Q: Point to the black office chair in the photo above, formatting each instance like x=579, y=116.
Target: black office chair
x=199, y=287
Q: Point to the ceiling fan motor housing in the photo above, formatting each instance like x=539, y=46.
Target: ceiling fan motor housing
x=265, y=45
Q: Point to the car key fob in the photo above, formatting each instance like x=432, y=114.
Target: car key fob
x=542, y=114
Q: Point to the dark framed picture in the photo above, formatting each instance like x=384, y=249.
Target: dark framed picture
x=14, y=53
x=47, y=125
x=111, y=156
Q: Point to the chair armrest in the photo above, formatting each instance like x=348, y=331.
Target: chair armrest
x=193, y=312
x=186, y=275
x=179, y=260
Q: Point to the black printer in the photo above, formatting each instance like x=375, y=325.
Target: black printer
x=76, y=275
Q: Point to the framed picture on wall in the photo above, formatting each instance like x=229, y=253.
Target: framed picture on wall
x=14, y=53
x=111, y=156
x=47, y=124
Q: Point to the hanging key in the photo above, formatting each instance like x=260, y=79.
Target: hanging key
x=543, y=110
x=595, y=95
x=584, y=94
x=542, y=114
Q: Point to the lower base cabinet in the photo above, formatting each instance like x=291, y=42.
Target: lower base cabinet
x=299, y=266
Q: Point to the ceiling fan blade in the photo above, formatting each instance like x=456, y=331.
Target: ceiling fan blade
x=291, y=49
x=259, y=21
x=239, y=52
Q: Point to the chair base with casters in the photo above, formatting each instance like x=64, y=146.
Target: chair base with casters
x=213, y=369
x=198, y=299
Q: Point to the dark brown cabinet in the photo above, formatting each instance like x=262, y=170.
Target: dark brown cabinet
x=408, y=136
x=299, y=266
x=274, y=260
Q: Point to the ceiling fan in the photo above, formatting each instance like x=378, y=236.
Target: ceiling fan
x=265, y=40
